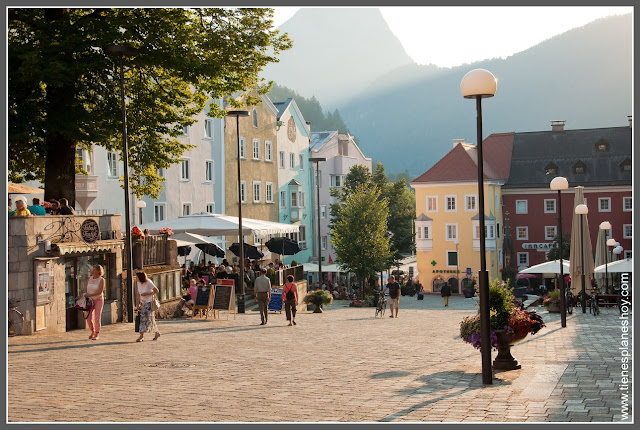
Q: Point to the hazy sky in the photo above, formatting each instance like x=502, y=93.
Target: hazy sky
x=450, y=36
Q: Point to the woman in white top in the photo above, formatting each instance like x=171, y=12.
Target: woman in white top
x=146, y=290
x=95, y=287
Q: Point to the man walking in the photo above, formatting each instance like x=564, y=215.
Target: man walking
x=445, y=292
x=394, y=295
x=262, y=294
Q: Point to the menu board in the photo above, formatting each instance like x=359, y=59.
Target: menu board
x=223, y=298
x=43, y=280
x=275, y=304
x=203, y=298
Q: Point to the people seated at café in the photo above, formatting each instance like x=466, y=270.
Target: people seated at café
x=190, y=298
x=36, y=208
x=65, y=209
x=21, y=207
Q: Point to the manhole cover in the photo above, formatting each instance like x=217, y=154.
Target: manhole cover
x=170, y=364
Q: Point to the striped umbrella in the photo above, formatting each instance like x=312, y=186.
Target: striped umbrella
x=577, y=247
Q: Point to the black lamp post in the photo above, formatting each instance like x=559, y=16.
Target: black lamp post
x=582, y=210
x=122, y=51
x=317, y=160
x=559, y=183
x=238, y=114
x=479, y=84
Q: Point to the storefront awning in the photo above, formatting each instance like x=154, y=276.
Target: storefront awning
x=80, y=247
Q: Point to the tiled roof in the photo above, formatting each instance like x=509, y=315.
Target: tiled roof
x=423, y=217
x=319, y=138
x=489, y=217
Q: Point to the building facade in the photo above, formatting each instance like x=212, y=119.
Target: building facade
x=342, y=153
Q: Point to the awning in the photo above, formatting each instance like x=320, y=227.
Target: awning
x=80, y=247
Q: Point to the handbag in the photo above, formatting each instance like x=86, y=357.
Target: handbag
x=155, y=303
x=137, y=323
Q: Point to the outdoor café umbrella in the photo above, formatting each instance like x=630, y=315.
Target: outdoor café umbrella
x=577, y=247
x=548, y=267
x=620, y=266
x=600, y=257
x=22, y=189
x=250, y=251
x=211, y=248
x=283, y=246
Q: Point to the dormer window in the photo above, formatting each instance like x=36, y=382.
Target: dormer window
x=551, y=169
x=602, y=146
x=579, y=168
x=254, y=117
x=625, y=166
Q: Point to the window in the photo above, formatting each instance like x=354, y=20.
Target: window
x=268, y=192
x=427, y=233
x=419, y=233
x=625, y=166
x=254, y=117
x=498, y=231
x=628, y=231
x=497, y=200
x=158, y=210
x=627, y=204
x=302, y=199
x=185, y=130
x=319, y=178
x=604, y=204
x=451, y=203
x=243, y=191
x=208, y=171
x=523, y=258
x=161, y=173
x=627, y=254
x=83, y=160
x=602, y=146
x=489, y=231
x=549, y=206
x=256, y=149
x=283, y=199
x=268, y=151
x=551, y=169
x=337, y=180
x=208, y=128
x=185, y=172
x=470, y=203
x=243, y=152
x=452, y=231
x=323, y=211
x=294, y=199
x=323, y=243
x=211, y=208
x=302, y=237
x=452, y=258
x=281, y=159
x=257, y=191
x=292, y=160
x=522, y=233
x=186, y=209
x=112, y=164
x=432, y=204
x=521, y=207
x=579, y=168
x=301, y=162
x=550, y=232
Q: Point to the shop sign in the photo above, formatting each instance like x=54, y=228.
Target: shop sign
x=90, y=231
x=542, y=246
x=444, y=271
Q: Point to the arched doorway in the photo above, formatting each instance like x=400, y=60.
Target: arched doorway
x=453, y=283
x=437, y=283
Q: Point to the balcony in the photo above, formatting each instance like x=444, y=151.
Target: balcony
x=86, y=189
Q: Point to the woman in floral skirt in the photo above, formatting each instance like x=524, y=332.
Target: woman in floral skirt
x=146, y=290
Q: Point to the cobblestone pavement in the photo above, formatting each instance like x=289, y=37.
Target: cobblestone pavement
x=341, y=365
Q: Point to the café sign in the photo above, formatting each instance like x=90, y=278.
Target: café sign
x=541, y=246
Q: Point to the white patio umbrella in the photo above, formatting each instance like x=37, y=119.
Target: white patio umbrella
x=620, y=266
x=577, y=247
x=310, y=267
x=548, y=267
x=201, y=223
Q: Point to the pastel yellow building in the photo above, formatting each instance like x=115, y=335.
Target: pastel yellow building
x=447, y=215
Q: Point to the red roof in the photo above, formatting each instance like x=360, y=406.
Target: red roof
x=460, y=164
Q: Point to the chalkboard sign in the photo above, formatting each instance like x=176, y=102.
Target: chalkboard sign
x=223, y=298
x=203, y=299
x=275, y=304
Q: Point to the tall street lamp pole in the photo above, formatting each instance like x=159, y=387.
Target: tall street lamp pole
x=559, y=183
x=458, y=266
x=479, y=84
x=238, y=114
x=317, y=160
x=121, y=51
x=582, y=210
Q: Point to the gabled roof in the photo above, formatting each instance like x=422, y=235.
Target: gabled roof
x=487, y=218
x=319, y=138
x=461, y=163
x=423, y=217
x=534, y=151
x=294, y=183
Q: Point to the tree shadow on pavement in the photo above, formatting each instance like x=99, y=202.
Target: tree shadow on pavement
x=63, y=347
x=392, y=374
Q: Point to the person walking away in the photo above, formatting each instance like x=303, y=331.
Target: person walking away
x=21, y=207
x=445, y=292
x=394, y=295
x=94, y=291
x=290, y=300
x=65, y=209
x=36, y=208
x=262, y=294
x=146, y=290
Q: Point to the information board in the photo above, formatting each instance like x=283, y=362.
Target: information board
x=275, y=304
x=203, y=299
x=223, y=298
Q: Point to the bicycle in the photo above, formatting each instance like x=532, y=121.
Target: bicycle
x=16, y=318
x=382, y=305
x=569, y=301
x=593, y=306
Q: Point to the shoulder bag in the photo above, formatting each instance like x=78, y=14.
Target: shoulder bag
x=155, y=303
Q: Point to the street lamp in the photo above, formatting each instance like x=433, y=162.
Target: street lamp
x=317, y=160
x=617, y=251
x=140, y=204
x=560, y=183
x=238, y=114
x=611, y=243
x=121, y=52
x=458, y=266
x=478, y=84
x=582, y=210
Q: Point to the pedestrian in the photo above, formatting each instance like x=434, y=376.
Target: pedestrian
x=262, y=294
x=290, y=300
x=445, y=292
x=65, y=209
x=146, y=290
x=36, y=208
x=394, y=295
x=21, y=207
x=94, y=291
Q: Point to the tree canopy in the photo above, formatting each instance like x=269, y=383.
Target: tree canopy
x=64, y=88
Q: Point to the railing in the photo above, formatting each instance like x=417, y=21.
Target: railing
x=296, y=272
x=91, y=212
x=153, y=250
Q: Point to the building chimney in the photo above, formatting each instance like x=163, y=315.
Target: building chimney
x=457, y=142
x=558, y=125
x=630, y=118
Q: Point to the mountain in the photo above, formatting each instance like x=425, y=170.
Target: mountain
x=337, y=52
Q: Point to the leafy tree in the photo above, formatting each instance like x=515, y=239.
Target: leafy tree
x=64, y=90
x=554, y=253
x=360, y=235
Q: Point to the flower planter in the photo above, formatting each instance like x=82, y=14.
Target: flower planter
x=468, y=293
x=318, y=309
x=504, y=360
x=553, y=308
